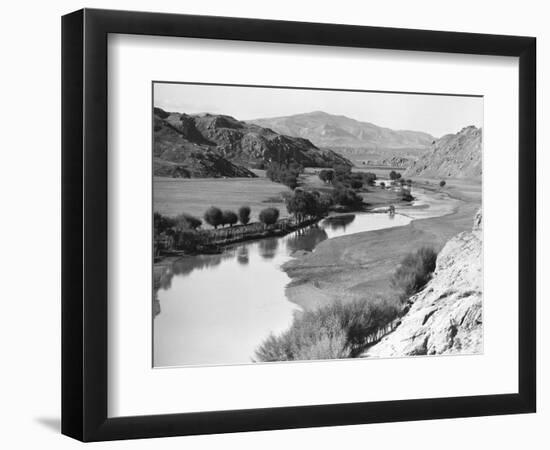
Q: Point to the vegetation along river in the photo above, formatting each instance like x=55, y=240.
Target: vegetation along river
x=217, y=309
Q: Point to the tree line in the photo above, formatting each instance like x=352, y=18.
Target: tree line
x=284, y=173
x=342, y=175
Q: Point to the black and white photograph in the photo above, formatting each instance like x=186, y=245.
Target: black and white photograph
x=275, y=225
x=301, y=224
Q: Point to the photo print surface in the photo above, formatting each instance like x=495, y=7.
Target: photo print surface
x=295, y=224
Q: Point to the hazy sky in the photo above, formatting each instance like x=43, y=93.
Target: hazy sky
x=434, y=114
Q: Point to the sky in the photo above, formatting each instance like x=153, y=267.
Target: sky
x=434, y=114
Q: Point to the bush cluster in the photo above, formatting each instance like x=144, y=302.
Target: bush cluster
x=406, y=195
x=338, y=330
x=414, y=272
x=303, y=204
x=286, y=174
x=185, y=221
x=394, y=176
x=183, y=229
x=345, y=196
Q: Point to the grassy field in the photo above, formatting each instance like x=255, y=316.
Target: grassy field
x=172, y=196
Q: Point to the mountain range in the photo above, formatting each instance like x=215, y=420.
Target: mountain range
x=209, y=145
x=328, y=130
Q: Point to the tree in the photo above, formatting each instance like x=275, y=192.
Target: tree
x=244, y=214
x=442, y=183
x=302, y=204
x=406, y=195
x=269, y=216
x=229, y=217
x=341, y=170
x=290, y=180
x=345, y=196
x=187, y=240
x=162, y=223
x=187, y=221
x=369, y=178
x=394, y=175
x=326, y=175
x=356, y=184
x=286, y=174
x=213, y=216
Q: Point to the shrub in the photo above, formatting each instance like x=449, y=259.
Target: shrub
x=406, y=195
x=414, y=272
x=269, y=216
x=290, y=180
x=326, y=175
x=356, y=184
x=286, y=174
x=213, y=216
x=442, y=183
x=369, y=178
x=344, y=196
x=162, y=223
x=383, y=185
x=341, y=171
x=187, y=221
x=394, y=175
x=229, y=218
x=244, y=214
x=187, y=240
x=338, y=330
x=302, y=204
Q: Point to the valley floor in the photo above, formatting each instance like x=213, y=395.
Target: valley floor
x=360, y=266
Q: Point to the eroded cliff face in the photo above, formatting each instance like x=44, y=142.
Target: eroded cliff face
x=208, y=145
x=446, y=316
x=454, y=155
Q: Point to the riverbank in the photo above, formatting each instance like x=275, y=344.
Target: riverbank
x=360, y=266
x=446, y=316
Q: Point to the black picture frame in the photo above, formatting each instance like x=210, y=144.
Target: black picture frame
x=84, y=224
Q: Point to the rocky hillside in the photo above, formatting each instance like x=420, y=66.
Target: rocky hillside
x=446, y=316
x=209, y=145
x=328, y=130
x=454, y=155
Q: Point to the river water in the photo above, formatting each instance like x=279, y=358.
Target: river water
x=217, y=309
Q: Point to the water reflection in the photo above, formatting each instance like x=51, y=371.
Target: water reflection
x=306, y=239
x=268, y=247
x=242, y=255
x=339, y=222
x=217, y=309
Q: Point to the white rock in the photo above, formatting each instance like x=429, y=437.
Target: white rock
x=446, y=317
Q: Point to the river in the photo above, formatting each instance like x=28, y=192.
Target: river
x=217, y=309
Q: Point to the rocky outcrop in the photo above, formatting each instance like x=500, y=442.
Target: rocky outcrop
x=199, y=165
x=227, y=146
x=446, y=316
x=454, y=155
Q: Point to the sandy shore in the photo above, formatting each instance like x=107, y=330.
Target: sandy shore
x=360, y=266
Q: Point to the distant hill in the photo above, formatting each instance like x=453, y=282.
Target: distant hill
x=208, y=145
x=454, y=155
x=328, y=130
